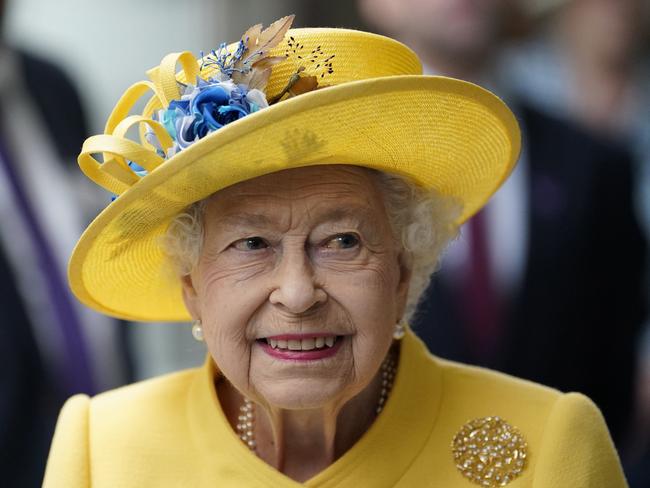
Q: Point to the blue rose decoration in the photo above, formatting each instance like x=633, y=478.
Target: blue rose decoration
x=214, y=107
x=205, y=108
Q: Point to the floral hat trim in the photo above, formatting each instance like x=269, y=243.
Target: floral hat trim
x=234, y=88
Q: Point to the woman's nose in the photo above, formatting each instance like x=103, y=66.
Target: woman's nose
x=295, y=288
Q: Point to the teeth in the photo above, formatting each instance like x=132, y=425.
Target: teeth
x=308, y=344
x=302, y=345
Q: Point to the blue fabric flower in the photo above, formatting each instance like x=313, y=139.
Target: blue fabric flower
x=213, y=108
x=204, y=108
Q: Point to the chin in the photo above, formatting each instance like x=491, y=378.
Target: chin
x=301, y=394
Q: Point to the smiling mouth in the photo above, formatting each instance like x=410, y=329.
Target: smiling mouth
x=288, y=343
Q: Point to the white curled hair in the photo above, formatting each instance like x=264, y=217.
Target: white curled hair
x=423, y=223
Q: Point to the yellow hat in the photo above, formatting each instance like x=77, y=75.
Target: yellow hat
x=366, y=103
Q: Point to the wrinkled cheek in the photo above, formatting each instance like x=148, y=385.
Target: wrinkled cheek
x=371, y=309
x=369, y=350
x=228, y=314
x=373, y=312
x=259, y=370
x=232, y=356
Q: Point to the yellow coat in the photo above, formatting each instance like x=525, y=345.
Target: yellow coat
x=171, y=432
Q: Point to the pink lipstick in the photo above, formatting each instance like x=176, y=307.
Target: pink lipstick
x=301, y=347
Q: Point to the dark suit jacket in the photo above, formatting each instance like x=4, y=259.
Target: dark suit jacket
x=574, y=321
x=58, y=104
x=29, y=399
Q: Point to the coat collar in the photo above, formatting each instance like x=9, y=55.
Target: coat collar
x=395, y=438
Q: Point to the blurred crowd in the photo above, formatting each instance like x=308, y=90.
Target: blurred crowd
x=550, y=282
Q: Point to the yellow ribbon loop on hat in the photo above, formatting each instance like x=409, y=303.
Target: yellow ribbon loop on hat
x=114, y=174
x=159, y=130
x=128, y=100
x=93, y=170
x=164, y=77
x=152, y=105
x=125, y=150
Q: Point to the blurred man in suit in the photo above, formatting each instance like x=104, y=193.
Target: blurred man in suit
x=550, y=287
x=589, y=61
x=45, y=335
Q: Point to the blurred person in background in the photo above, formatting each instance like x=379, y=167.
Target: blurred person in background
x=45, y=336
x=589, y=61
x=552, y=268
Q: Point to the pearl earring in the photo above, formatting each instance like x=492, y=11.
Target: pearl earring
x=197, y=330
x=399, y=332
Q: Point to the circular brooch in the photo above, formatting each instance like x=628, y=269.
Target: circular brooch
x=489, y=451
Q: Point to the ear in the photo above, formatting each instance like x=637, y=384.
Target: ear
x=190, y=296
x=403, y=284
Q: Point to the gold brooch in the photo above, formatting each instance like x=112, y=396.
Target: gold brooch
x=489, y=451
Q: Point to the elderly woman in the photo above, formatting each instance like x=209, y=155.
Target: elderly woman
x=291, y=194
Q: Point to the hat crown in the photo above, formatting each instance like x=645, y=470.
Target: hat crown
x=332, y=55
x=351, y=56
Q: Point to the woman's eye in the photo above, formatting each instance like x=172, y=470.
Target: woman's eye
x=250, y=244
x=343, y=241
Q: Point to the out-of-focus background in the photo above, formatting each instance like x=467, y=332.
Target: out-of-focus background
x=549, y=282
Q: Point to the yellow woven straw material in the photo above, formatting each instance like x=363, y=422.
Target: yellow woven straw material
x=377, y=111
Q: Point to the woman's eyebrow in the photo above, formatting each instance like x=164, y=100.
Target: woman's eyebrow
x=356, y=213
x=245, y=219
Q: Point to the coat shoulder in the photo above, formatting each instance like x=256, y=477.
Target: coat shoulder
x=461, y=379
x=157, y=387
x=564, y=434
x=146, y=401
x=94, y=435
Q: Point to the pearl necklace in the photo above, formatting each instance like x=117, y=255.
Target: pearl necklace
x=246, y=419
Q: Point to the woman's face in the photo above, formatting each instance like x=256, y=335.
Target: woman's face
x=298, y=285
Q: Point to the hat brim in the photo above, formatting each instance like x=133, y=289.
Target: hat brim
x=444, y=134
